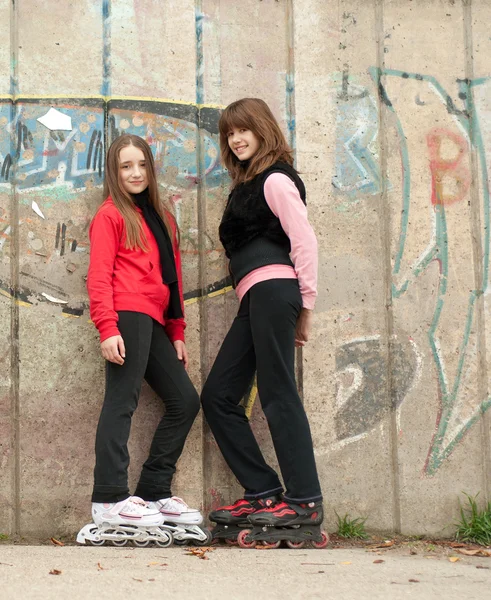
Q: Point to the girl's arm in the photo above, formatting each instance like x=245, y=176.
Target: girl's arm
x=104, y=234
x=284, y=200
x=175, y=327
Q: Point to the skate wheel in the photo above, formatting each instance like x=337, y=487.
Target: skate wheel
x=272, y=545
x=121, y=542
x=139, y=544
x=230, y=542
x=323, y=543
x=180, y=542
x=243, y=542
x=163, y=542
x=207, y=541
x=295, y=545
x=96, y=543
x=94, y=531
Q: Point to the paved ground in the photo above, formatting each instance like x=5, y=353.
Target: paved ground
x=235, y=574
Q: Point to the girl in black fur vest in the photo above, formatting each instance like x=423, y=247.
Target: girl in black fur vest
x=272, y=251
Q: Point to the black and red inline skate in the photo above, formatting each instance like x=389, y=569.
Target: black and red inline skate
x=231, y=520
x=294, y=524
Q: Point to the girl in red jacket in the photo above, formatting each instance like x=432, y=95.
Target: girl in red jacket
x=135, y=291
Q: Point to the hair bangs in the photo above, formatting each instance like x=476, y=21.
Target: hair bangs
x=235, y=116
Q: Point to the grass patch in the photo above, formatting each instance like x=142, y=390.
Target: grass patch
x=3, y=537
x=475, y=524
x=351, y=528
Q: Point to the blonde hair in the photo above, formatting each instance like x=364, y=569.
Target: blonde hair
x=253, y=114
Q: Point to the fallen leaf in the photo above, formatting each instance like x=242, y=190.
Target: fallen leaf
x=151, y=580
x=457, y=545
x=454, y=559
x=152, y=564
x=482, y=567
x=378, y=561
x=345, y=563
x=475, y=552
x=412, y=552
x=55, y=572
x=413, y=580
x=56, y=542
x=100, y=567
x=136, y=579
x=199, y=552
x=386, y=544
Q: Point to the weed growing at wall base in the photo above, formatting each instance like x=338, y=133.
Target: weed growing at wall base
x=351, y=528
x=475, y=524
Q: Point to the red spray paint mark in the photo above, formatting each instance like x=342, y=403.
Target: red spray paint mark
x=50, y=152
x=217, y=499
x=447, y=168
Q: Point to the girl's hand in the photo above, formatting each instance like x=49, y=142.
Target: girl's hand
x=182, y=353
x=304, y=324
x=113, y=349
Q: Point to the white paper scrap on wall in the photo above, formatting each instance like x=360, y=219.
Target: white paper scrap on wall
x=53, y=299
x=56, y=120
x=36, y=209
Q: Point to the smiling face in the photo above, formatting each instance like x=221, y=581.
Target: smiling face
x=132, y=170
x=243, y=142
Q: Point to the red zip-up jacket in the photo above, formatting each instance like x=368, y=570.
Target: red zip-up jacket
x=123, y=279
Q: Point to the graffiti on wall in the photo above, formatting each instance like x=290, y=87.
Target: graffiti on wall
x=361, y=372
x=356, y=160
x=430, y=199
x=63, y=171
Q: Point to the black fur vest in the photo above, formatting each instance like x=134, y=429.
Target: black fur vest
x=249, y=231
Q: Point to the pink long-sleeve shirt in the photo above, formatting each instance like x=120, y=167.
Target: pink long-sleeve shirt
x=284, y=201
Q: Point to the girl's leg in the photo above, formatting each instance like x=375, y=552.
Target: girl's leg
x=274, y=309
x=225, y=387
x=123, y=383
x=168, y=378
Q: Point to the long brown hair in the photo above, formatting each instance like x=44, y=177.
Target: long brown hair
x=135, y=237
x=253, y=114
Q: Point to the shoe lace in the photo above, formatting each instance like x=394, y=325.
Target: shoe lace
x=137, y=500
x=178, y=500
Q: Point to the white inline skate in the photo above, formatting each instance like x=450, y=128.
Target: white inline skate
x=121, y=522
x=182, y=521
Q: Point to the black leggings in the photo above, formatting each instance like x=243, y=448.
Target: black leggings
x=262, y=338
x=149, y=355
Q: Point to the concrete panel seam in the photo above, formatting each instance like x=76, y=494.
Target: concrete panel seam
x=480, y=269
x=385, y=232
x=14, y=283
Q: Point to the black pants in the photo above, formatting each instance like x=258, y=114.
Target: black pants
x=262, y=338
x=149, y=355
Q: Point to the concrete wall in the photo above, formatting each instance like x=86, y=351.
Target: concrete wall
x=388, y=104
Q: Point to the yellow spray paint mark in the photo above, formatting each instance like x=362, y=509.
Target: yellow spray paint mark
x=18, y=302
x=224, y=290
x=20, y=97
x=249, y=404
